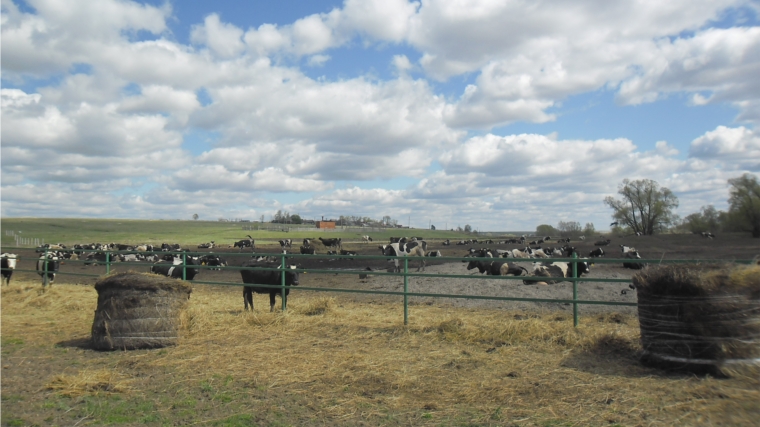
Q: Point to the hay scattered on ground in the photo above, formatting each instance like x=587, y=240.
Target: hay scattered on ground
x=90, y=382
x=357, y=363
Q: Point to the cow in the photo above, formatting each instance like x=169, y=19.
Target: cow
x=496, y=268
x=307, y=242
x=602, y=242
x=405, y=249
x=446, y=242
x=47, y=266
x=517, y=253
x=625, y=249
x=174, y=268
x=537, y=253
x=366, y=239
x=633, y=254
x=248, y=243
x=395, y=239
x=130, y=257
x=254, y=275
x=307, y=250
x=96, y=258
x=330, y=243
x=8, y=264
x=344, y=252
x=639, y=233
x=209, y=245
x=707, y=235
x=582, y=238
x=596, y=253
x=213, y=261
x=555, y=270
x=434, y=254
x=286, y=243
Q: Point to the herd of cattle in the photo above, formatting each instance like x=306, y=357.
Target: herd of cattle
x=261, y=270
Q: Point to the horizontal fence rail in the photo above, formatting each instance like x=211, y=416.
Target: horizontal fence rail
x=111, y=255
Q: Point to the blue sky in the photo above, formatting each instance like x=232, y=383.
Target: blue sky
x=490, y=113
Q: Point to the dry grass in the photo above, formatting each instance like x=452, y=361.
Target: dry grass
x=344, y=362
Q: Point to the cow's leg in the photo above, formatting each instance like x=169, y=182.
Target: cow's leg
x=272, y=296
x=247, y=298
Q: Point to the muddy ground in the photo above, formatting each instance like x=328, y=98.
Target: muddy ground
x=344, y=273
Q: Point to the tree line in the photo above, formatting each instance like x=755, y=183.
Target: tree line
x=646, y=207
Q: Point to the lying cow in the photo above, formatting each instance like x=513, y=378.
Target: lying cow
x=254, y=275
x=596, y=253
x=555, y=270
x=496, y=268
x=213, y=261
x=634, y=254
x=8, y=264
x=174, y=268
x=308, y=250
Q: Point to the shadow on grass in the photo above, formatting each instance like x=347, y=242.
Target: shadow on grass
x=81, y=343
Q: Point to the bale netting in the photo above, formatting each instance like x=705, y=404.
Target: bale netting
x=138, y=310
x=700, y=318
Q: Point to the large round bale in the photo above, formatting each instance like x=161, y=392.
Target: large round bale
x=700, y=318
x=138, y=310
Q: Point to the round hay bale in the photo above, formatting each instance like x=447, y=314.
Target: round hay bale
x=138, y=310
x=700, y=318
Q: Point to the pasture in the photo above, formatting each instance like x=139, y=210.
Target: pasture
x=343, y=359
x=328, y=361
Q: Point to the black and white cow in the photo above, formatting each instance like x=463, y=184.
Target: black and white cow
x=308, y=250
x=496, y=268
x=366, y=239
x=213, y=261
x=446, y=242
x=344, y=252
x=286, y=243
x=634, y=254
x=96, y=258
x=707, y=235
x=555, y=270
x=434, y=254
x=404, y=249
x=596, y=253
x=209, y=245
x=8, y=264
x=625, y=249
x=174, y=268
x=254, y=275
x=331, y=243
x=47, y=266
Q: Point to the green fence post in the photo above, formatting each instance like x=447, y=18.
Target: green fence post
x=282, y=283
x=108, y=262
x=575, y=290
x=184, y=265
x=406, y=291
x=45, y=267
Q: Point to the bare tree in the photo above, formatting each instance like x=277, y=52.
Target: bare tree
x=744, y=202
x=646, y=207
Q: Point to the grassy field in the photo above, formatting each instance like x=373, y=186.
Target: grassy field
x=187, y=233
x=329, y=361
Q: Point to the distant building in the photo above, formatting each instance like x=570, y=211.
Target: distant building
x=325, y=224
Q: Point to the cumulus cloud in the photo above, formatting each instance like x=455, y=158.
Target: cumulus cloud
x=97, y=98
x=736, y=148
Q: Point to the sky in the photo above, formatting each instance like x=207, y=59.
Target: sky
x=501, y=115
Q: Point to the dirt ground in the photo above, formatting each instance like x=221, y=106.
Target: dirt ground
x=344, y=273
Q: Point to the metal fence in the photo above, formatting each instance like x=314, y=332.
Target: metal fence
x=404, y=261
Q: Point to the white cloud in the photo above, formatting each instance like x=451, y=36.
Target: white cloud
x=736, y=148
x=225, y=40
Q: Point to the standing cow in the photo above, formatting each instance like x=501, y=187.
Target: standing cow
x=255, y=275
x=8, y=264
x=47, y=266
